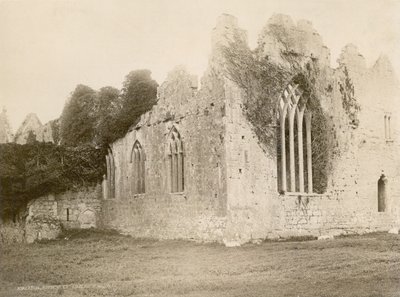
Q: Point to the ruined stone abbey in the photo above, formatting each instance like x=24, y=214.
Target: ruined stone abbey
x=195, y=168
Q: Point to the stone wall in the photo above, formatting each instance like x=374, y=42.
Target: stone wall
x=84, y=208
x=74, y=209
x=198, y=212
x=231, y=192
x=44, y=218
x=328, y=215
x=257, y=210
x=42, y=227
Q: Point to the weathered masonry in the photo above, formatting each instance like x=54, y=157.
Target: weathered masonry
x=47, y=216
x=197, y=167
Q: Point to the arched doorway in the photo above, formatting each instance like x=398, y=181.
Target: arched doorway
x=382, y=193
x=87, y=219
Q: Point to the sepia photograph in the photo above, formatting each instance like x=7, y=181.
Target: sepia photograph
x=218, y=148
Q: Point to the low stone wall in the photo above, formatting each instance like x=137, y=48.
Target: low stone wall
x=80, y=209
x=290, y=215
x=73, y=209
x=45, y=217
x=42, y=228
x=329, y=215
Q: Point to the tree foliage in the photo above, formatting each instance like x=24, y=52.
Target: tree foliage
x=119, y=110
x=109, y=108
x=89, y=118
x=31, y=137
x=102, y=117
x=78, y=117
x=138, y=95
x=33, y=170
x=55, y=130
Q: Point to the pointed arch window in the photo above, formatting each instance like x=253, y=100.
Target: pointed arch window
x=294, y=144
x=110, y=178
x=138, y=162
x=388, y=130
x=175, y=155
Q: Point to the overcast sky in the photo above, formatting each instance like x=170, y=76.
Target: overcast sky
x=48, y=47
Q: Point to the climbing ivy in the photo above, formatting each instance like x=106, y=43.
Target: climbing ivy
x=262, y=82
x=349, y=101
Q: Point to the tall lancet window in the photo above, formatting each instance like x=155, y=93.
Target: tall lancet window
x=388, y=129
x=175, y=154
x=294, y=142
x=138, y=164
x=110, y=178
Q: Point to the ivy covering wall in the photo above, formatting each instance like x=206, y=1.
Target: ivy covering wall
x=263, y=81
x=32, y=170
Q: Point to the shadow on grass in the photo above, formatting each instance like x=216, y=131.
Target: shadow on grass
x=85, y=234
x=293, y=239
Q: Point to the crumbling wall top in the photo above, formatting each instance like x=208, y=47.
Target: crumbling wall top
x=282, y=35
x=225, y=32
x=352, y=59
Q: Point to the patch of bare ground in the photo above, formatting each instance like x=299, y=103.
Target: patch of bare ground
x=94, y=263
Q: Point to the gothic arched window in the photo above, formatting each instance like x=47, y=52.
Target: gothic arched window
x=138, y=161
x=110, y=178
x=294, y=145
x=175, y=154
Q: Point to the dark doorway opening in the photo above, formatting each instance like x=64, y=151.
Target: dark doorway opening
x=382, y=193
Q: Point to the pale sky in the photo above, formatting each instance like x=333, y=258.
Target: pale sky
x=48, y=47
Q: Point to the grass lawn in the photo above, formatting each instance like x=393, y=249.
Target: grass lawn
x=94, y=263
